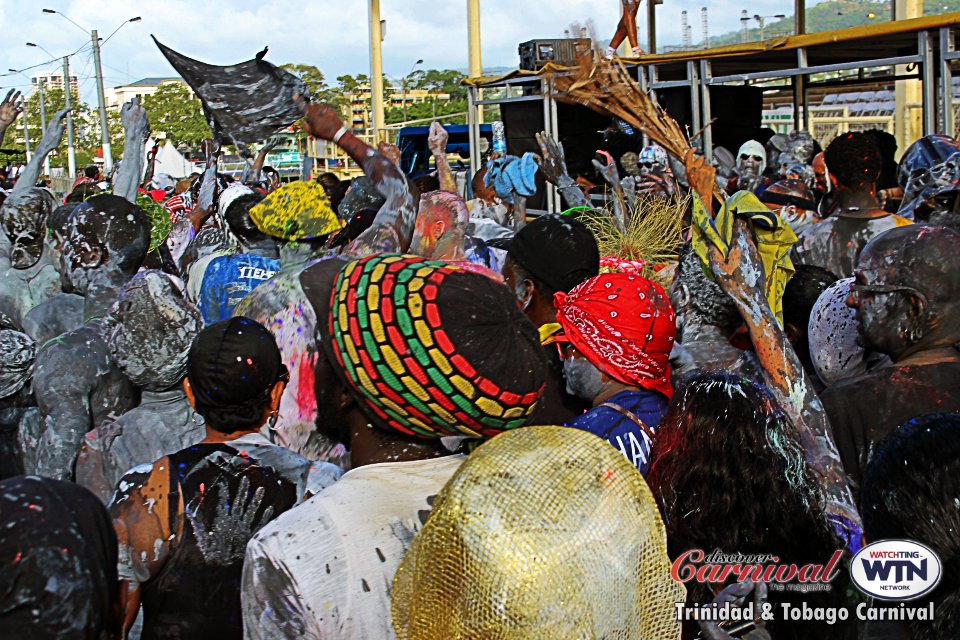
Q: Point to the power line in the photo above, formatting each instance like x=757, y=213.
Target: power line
x=51, y=61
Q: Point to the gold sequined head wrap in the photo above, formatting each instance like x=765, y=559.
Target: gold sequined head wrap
x=544, y=532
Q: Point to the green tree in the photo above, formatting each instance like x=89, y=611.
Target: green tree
x=173, y=111
x=86, y=127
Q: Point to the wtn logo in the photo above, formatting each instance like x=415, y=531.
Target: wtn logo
x=895, y=570
x=904, y=570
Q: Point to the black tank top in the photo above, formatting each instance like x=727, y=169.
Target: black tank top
x=227, y=498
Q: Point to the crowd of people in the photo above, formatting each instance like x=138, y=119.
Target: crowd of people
x=403, y=408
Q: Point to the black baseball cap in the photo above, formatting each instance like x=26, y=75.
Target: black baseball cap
x=234, y=363
x=558, y=250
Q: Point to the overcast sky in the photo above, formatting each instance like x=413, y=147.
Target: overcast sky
x=331, y=34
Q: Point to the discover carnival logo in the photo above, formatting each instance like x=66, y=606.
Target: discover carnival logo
x=896, y=570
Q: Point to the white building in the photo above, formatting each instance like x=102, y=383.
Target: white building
x=53, y=80
x=116, y=96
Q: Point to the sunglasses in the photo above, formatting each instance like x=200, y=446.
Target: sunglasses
x=888, y=288
x=744, y=156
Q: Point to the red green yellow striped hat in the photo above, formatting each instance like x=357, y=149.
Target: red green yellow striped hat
x=432, y=349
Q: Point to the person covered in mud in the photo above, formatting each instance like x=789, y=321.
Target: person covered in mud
x=300, y=216
x=392, y=229
x=149, y=331
x=799, y=298
x=27, y=272
x=183, y=521
x=707, y=321
x=906, y=296
x=17, y=354
x=929, y=174
x=618, y=331
x=59, y=569
x=751, y=164
x=77, y=384
x=63, y=311
x=357, y=531
x=835, y=243
x=551, y=254
x=793, y=201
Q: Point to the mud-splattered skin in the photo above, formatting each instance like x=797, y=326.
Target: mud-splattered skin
x=705, y=319
x=902, y=323
x=919, y=329
x=392, y=229
x=78, y=387
x=741, y=276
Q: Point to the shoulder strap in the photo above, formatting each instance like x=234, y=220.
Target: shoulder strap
x=630, y=416
x=173, y=501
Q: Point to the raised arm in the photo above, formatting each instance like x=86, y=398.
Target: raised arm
x=151, y=165
x=51, y=140
x=553, y=165
x=392, y=228
x=10, y=108
x=609, y=172
x=207, y=198
x=741, y=276
x=136, y=130
x=251, y=172
x=438, y=147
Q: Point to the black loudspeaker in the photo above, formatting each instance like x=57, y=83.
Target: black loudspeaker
x=581, y=133
x=737, y=112
x=535, y=54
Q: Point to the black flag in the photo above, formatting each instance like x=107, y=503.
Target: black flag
x=246, y=102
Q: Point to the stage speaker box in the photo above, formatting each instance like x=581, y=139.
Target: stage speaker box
x=737, y=111
x=535, y=54
x=580, y=133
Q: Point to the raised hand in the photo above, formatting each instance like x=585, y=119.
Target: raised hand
x=53, y=134
x=136, y=127
x=10, y=108
x=701, y=176
x=552, y=161
x=608, y=169
x=321, y=121
x=210, y=149
x=437, y=139
x=269, y=145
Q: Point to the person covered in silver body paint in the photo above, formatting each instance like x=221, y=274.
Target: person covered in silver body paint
x=149, y=331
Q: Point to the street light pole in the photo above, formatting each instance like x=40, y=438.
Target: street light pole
x=403, y=84
x=71, y=151
x=104, y=124
x=376, y=68
x=26, y=134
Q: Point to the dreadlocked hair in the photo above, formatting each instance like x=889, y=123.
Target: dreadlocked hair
x=910, y=490
x=729, y=474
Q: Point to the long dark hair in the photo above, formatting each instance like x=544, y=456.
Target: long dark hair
x=911, y=490
x=728, y=473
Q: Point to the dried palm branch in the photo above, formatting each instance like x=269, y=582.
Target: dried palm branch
x=653, y=235
x=606, y=86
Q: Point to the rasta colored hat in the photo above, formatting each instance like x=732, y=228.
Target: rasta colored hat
x=234, y=364
x=559, y=250
x=518, y=546
x=624, y=325
x=433, y=350
x=296, y=211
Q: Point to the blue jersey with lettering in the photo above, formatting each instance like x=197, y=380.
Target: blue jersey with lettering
x=228, y=279
x=622, y=432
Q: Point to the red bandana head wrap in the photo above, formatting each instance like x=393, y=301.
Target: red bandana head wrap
x=624, y=325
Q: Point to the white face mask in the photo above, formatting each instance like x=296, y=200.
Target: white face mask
x=583, y=379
